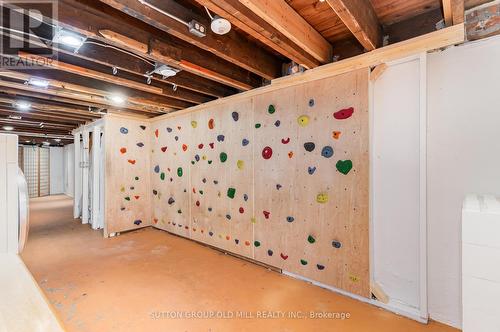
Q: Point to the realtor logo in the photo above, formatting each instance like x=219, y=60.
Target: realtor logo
x=27, y=30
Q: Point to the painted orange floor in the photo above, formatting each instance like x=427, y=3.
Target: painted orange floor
x=134, y=281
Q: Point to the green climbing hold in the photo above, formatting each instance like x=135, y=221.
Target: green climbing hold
x=136, y=178
x=127, y=198
x=311, y=239
x=223, y=157
x=179, y=172
x=209, y=162
x=192, y=162
x=162, y=176
x=303, y=262
x=231, y=192
x=201, y=192
x=344, y=166
x=179, y=211
x=271, y=109
x=256, y=243
x=257, y=125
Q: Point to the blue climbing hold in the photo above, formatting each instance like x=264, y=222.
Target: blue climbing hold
x=245, y=142
x=157, y=169
x=123, y=130
x=311, y=169
x=327, y=152
x=290, y=219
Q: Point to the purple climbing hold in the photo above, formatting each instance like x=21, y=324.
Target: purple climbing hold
x=140, y=144
x=143, y=127
x=245, y=142
x=277, y=123
x=220, y=138
x=171, y=201
x=169, y=129
x=211, y=233
x=138, y=222
x=309, y=146
x=269, y=252
x=320, y=267
x=235, y=116
x=157, y=169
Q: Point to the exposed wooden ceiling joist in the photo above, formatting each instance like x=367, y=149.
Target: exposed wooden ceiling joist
x=361, y=19
x=232, y=47
x=249, y=22
x=453, y=11
x=285, y=19
x=6, y=112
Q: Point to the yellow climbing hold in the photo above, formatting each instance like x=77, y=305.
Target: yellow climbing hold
x=194, y=124
x=253, y=220
x=219, y=194
x=322, y=198
x=122, y=189
x=204, y=157
x=303, y=120
x=240, y=164
x=353, y=278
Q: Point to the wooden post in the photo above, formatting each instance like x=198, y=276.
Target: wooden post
x=77, y=190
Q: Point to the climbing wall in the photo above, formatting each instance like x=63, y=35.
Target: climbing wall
x=127, y=181
x=280, y=177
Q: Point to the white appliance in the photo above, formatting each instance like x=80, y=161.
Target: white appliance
x=481, y=263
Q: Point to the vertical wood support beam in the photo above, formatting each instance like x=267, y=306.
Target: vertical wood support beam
x=85, y=178
x=77, y=194
x=453, y=12
x=96, y=143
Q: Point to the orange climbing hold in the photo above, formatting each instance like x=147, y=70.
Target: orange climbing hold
x=131, y=161
x=184, y=147
x=290, y=154
x=123, y=150
x=336, y=134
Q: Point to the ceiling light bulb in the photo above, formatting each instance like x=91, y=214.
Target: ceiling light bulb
x=38, y=82
x=68, y=38
x=22, y=105
x=8, y=128
x=117, y=99
x=220, y=25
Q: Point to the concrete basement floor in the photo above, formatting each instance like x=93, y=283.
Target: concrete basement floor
x=118, y=284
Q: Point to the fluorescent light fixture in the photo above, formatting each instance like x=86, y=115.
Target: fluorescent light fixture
x=46, y=143
x=117, y=99
x=38, y=82
x=68, y=38
x=22, y=105
x=27, y=141
x=57, y=140
x=8, y=128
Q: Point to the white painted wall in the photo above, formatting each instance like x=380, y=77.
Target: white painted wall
x=69, y=169
x=463, y=157
x=56, y=170
x=8, y=194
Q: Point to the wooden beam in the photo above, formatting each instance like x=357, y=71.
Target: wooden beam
x=40, y=116
x=360, y=18
x=232, y=47
x=286, y=20
x=453, y=12
x=246, y=20
x=483, y=21
x=377, y=71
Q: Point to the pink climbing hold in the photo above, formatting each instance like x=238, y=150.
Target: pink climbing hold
x=344, y=113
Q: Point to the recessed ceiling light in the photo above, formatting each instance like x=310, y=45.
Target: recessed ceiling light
x=220, y=25
x=38, y=82
x=27, y=141
x=8, y=128
x=117, y=99
x=68, y=38
x=164, y=70
x=22, y=105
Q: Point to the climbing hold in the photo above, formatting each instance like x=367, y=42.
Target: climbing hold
x=343, y=113
x=277, y=123
x=245, y=142
x=192, y=162
x=271, y=109
x=267, y=152
x=256, y=243
x=353, y=278
x=124, y=130
x=169, y=129
x=278, y=186
x=197, y=203
x=290, y=154
x=336, y=244
x=204, y=180
x=197, y=157
x=220, y=138
x=162, y=176
x=290, y=219
x=127, y=198
x=266, y=214
x=311, y=170
x=303, y=262
x=223, y=157
x=184, y=147
x=176, y=138
x=179, y=172
x=122, y=209
x=240, y=164
x=285, y=257
x=235, y=116
x=216, y=182
x=137, y=197
x=322, y=198
x=285, y=140
x=245, y=197
x=247, y=243
x=132, y=188
x=179, y=127
x=228, y=216
x=157, y=133
x=194, y=124
x=336, y=134
x=327, y=152
x=253, y=220
x=140, y=144
x=344, y=166
x=123, y=150
x=155, y=192
x=269, y=252
x=211, y=233
x=231, y=192
x=209, y=209
x=179, y=212
x=320, y=267
x=241, y=209
x=142, y=127
x=138, y=222
x=303, y=120
x=201, y=192
x=311, y=102
x=236, y=241
x=211, y=124
x=258, y=125
x=309, y=146
x=311, y=239
x=163, y=149
x=209, y=161
x=200, y=146
x=131, y=161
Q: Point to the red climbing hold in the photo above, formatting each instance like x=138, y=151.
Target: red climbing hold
x=285, y=141
x=155, y=220
x=197, y=203
x=131, y=161
x=228, y=237
x=211, y=145
x=266, y=214
x=344, y=113
x=123, y=150
x=242, y=210
x=179, y=127
x=163, y=149
x=184, y=147
x=267, y=153
x=137, y=197
x=285, y=257
x=200, y=146
x=211, y=124
x=157, y=133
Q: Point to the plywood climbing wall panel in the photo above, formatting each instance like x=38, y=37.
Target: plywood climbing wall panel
x=280, y=177
x=172, y=146
x=312, y=204
x=127, y=181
